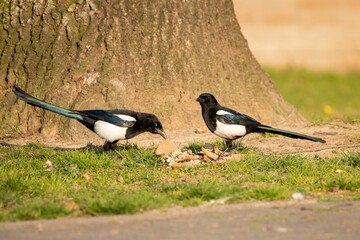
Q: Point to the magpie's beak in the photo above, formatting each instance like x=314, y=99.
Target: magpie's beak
x=161, y=132
x=198, y=99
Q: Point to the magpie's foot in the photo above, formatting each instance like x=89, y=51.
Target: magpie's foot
x=111, y=147
x=237, y=149
x=221, y=155
x=228, y=152
x=118, y=153
x=115, y=153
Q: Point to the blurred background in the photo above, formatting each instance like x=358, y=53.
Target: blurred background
x=311, y=49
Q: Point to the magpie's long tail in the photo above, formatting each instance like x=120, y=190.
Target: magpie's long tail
x=21, y=94
x=268, y=129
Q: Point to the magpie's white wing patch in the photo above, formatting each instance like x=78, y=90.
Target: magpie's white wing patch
x=125, y=117
x=111, y=132
x=222, y=112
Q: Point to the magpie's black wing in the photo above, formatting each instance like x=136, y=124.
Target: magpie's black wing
x=229, y=116
x=107, y=117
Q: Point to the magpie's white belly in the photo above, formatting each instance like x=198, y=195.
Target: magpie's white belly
x=109, y=132
x=229, y=131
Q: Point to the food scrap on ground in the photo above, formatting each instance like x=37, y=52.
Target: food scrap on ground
x=176, y=158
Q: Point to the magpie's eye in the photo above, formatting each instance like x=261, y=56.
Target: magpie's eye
x=155, y=124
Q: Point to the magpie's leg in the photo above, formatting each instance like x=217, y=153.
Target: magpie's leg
x=228, y=146
x=238, y=144
x=112, y=146
x=106, y=146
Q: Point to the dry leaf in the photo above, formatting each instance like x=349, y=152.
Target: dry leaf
x=86, y=176
x=121, y=179
x=71, y=206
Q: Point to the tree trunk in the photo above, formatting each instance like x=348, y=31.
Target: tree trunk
x=151, y=56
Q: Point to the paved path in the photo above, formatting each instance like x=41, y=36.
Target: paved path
x=269, y=220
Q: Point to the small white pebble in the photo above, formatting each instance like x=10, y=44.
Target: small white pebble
x=48, y=166
x=297, y=196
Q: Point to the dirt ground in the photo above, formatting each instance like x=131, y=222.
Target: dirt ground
x=341, y=138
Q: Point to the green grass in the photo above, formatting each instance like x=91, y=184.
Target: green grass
x=90, y=182
x=311, y=92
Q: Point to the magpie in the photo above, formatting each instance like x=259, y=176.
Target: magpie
x=231, y=125
x=111, y=125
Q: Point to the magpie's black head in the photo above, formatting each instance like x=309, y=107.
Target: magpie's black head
x=154, y=125
x=207, y=99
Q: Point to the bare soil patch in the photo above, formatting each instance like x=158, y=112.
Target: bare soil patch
x=341, y=138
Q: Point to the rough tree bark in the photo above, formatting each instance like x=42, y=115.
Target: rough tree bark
x=153, y=56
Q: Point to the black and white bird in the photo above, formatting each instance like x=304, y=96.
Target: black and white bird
x=111, y=125
x=231, y=125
